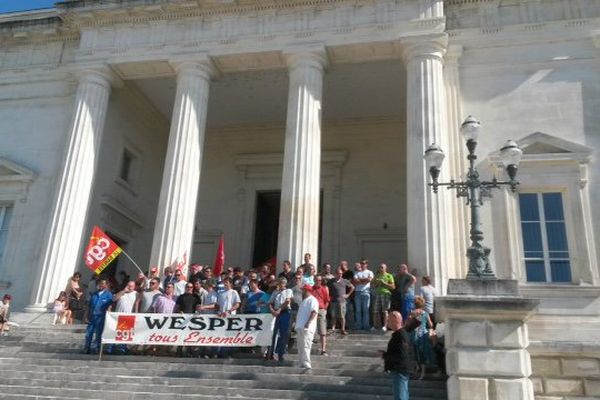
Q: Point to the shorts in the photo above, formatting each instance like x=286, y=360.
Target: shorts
x=322, y=322
x=338, y=310
x=382, y=303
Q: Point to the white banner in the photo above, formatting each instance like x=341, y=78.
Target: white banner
x=244, y=330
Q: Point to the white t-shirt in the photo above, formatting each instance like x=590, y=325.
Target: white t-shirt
x=428, y=292
x=279, y=297
x=180, y=287
x=367, y=273
x=226, y=301
x=309, y=305
x=126, y=302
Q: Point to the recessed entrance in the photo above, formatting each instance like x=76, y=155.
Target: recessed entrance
x=266, y=226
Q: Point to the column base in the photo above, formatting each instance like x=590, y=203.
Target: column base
x=37, y=308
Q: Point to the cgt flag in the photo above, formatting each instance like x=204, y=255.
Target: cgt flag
x=101, y=251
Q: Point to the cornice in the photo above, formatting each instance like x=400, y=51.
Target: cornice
x=139, y=11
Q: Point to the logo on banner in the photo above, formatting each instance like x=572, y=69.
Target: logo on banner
x=125, y=328
x=101, y=251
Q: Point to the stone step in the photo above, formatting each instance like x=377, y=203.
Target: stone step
x=150, y=366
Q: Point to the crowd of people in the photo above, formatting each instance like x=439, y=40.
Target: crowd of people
x=308, y=305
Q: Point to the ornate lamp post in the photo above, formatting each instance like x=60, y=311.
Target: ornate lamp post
x=475, y=190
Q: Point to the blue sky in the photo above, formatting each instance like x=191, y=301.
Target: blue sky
x=22, y=5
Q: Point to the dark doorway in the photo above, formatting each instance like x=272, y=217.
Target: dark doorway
x=110, y=273
x=266, y=226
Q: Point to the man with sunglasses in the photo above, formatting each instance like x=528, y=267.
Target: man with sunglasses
x=188, y=303
x=148, y=296
x=180, y=283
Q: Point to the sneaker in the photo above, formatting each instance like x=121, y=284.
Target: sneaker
x=324, y=353
x=384, y=329
x=344, y=333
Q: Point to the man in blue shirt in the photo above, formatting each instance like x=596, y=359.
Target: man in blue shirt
x=99, y=304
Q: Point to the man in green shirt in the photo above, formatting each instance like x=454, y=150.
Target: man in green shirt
x=383, y=284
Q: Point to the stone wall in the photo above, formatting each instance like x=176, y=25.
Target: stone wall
x=566, y=375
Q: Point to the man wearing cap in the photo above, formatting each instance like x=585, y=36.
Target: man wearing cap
x=4, y=309
x=279, y=305
x=306, y=325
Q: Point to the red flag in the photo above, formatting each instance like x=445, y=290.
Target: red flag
x=100, y=251
x=219, y=259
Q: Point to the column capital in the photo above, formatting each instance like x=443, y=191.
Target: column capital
x=102, y=75
x=313, y=55
x=431, y=46
x=202, y=67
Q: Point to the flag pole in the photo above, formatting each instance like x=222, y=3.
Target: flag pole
x=134, y=263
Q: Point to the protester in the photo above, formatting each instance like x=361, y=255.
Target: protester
x=125, y=301
x=420, y=338
x=169, y=277
x=399, y=358
x=342, y=290
x=180, y=282
x=326, y=273
x=362, y=295
x=4, y=314
x=405, y=287
x=256, y=300
x=428, y=292
x=227, y=304
x=75, y=295
x=187, y=303
x=100, y=302
x=165, y=303
x=383, y=284
x=348, y=275
x=307, y=266
x=62, y=314
x=309, y=273
x=306, y=324
x=199, y=290
x=321, y=293
x=279, y=305
x=147, y=297
x=287, y=273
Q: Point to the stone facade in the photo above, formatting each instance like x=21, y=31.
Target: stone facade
x=163, y=121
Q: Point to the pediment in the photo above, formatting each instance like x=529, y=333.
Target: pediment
x=13, y=172
x=542, y=144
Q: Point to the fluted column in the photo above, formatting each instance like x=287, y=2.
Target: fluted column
x=64, y=235
x=174, y=228
x=300, y=186
x=456, y=163
x=427, y=233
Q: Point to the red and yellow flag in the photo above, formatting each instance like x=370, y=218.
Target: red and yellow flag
x=101, y=251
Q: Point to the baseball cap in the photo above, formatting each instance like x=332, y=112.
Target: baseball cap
x=307, y=287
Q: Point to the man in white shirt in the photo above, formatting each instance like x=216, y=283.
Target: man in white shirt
x=362, y=295
x=306, y=325
x=126, y=300
x=180, y=284
x=279, y=306
x=228, y=302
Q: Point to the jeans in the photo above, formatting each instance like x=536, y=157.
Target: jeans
x=281, y=333
x=362, y=300
x=400, y=386
x=94, y=331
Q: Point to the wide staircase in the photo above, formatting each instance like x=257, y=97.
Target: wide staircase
x=41, y=361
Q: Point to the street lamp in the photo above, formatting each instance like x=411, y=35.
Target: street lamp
x=475, y=190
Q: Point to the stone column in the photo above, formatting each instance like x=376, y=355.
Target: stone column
x=486, y=340
x=300, y=185
x=427, y=235
x=457, y=165
x=62, y=241
x=175, y=219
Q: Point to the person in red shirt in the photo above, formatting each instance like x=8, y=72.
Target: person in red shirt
x=321, y=292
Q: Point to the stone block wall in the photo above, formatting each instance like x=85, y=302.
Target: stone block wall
x=565, y=377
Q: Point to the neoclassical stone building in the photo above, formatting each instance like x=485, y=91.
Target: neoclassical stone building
x=299, y=125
